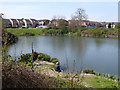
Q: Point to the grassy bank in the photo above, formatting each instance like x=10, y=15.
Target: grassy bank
x=20, y=75
x=100, y=32
x=25, y=31
x=25, y=74
x=8, y=38
x=85, y=32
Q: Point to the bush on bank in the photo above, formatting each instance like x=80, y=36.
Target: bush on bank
x=8, y=38
x=86, y=31
x=37, y=56
x=91, y=71
x=19, y=75
x=99, y=32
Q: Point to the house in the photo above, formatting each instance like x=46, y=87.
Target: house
x=91, y=23
x=20, y=23
x=56, y=21
x=14, y=23
x=34, y=22
x=112, y=24
x=43, y=22
x=27, y=23
x=85, y=23
x=7, y=23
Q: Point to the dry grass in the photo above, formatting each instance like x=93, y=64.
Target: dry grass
x=21, y=76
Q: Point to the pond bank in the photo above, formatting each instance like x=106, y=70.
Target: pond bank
x=85, y=32
x=76, y=48
x=44, y=76
x=8, y=38
x=87, y=78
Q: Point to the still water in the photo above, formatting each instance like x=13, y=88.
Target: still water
x=74, y=53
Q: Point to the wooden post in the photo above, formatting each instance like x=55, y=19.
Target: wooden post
x=32, y=54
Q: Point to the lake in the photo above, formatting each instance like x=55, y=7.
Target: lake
x=74, y=53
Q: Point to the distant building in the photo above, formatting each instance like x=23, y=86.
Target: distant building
x=27, y=23
x=44, y=22
x=86, y=23
x=91, y=23
x=56, y=21
x=7, y=23
x=14, y=23
x=113, y=24
x=18, y=23
x=34, y=22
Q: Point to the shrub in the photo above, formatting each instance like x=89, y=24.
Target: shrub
x=106, y=75
x=90, y=71
x=25, y=58
x=40, y=56
x=113, y=77
x=117, y=26
x=44, y=57
x=30, y=64
x=8, y=38
x=103, y=74
x=54, y=60
x=97, y=74
x=35, y=55
x=17, y=76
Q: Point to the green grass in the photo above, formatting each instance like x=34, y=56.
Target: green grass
x=93, y=81
x=21, y=75
x=100, y=32
x=91, y=31
x=22, y=31
x=23, y=70
x=100, y=82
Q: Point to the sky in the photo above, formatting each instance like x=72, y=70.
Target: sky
x=97, y=10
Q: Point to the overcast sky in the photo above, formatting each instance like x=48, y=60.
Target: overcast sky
x=97, y=10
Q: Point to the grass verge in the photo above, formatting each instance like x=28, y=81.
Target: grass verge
x=24, y=31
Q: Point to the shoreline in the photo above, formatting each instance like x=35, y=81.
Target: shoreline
x=89, y=32
x=44, y=59
x=24, y=68
x=80, y=80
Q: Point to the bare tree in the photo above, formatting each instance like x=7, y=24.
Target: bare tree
x=77, y=19
x=72, y=24
x=59, y=22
